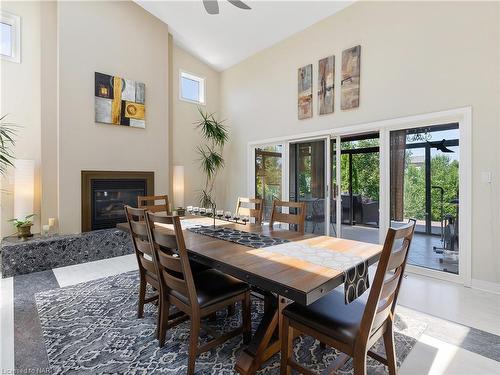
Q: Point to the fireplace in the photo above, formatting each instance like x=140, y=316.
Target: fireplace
x=105, y=193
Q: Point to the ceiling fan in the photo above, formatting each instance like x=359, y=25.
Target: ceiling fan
x=212, y=6
x=440, y=146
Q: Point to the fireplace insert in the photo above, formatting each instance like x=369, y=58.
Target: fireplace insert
x=105, y=193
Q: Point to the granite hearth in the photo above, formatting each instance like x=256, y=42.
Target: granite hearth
x=44, y=253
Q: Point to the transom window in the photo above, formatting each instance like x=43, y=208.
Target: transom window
x=191, y=88
x=10, y=37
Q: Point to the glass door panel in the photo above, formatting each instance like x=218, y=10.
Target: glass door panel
x=359, y=187
x=307, y=182
x=268, y=176
x=424, y=186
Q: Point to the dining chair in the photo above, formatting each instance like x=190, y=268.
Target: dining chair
x=198, y=297
x=251, y=207
x=154, y=203
x=297, y=218
x=142, y=248
x=353, y=328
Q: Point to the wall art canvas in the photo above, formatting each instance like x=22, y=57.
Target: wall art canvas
x=305, y=92
x=350, y=78
x=119, y=101
x=326, y=77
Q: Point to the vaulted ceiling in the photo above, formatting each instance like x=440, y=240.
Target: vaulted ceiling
x=234, y=34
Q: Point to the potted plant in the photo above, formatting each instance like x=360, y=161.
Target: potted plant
x=215, y=135
x=23, y=226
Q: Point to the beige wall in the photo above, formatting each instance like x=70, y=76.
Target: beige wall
x=21, y=99
x=185, y=136
x=117, y=38
x=415, y=58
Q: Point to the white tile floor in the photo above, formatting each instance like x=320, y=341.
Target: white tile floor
x=445, y=300
x=6, y=324
x=81, y=273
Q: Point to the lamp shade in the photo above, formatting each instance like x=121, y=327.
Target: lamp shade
x=24, y=187
x=178, y=188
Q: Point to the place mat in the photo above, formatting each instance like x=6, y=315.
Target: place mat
x=355, y=268
x=254, y=240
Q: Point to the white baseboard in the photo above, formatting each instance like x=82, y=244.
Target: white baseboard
x=487, y=286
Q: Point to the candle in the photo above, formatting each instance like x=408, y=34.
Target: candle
x=52, y=222
x=45, y=229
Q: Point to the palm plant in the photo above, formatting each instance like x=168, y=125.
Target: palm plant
x=7, y=133
x=215, y=135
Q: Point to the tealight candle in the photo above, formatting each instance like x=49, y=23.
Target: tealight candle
x=45, y=229
x=52, y=222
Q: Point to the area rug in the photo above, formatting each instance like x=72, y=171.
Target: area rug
x=92, y=328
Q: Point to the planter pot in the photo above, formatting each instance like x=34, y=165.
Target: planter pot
x=24, y=231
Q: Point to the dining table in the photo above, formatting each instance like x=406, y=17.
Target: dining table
x=278, y=278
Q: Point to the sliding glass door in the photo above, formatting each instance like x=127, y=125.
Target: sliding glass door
x=357, y=190
x=268, y=176
x=424, y=172
x=307, y=182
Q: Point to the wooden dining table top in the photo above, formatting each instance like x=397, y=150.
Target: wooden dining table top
x=287, y=276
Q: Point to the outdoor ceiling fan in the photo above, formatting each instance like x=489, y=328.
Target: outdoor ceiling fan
x=212, y=6
x=440, y=146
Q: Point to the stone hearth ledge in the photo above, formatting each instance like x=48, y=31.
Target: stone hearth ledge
x=44, y=253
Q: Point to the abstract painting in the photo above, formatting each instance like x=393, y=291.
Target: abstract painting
x=350, y=78
x=326, y=76
x=305, y=92
x=119, y=101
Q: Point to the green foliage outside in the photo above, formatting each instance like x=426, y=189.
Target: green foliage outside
x=444, y=173
x=366, y=177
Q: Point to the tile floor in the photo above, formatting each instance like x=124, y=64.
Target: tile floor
x=467, y=340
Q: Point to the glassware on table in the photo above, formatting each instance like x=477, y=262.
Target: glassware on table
x=220, y=213
x=245, y=219
x=228, y=215
x=203, y=211
x=209, y=212
x=196, y=210
x=189, y=209
x=236, y=217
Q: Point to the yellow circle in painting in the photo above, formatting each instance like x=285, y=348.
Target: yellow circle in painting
x=131, y=109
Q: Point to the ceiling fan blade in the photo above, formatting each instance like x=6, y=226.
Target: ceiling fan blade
x=240, y=4
x=211, y=6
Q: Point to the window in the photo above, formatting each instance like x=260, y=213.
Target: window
x=191, y=88
x=10, y=37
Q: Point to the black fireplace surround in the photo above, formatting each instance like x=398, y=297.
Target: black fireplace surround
x=105, y=193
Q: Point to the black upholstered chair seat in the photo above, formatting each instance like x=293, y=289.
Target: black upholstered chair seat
x=330, y=315
x=213, y=286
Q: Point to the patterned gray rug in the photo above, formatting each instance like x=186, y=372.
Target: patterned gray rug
x=92, y=328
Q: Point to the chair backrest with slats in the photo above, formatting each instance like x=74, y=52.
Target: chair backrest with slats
x=250, y=207
x=171, y=257
x=297, y=218
x=140, y=239
x=383, y=295
x=154, y=203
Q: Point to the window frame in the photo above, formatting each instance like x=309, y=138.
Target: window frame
x=202, y=87
x=14, y=22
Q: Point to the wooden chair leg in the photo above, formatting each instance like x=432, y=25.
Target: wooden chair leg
x=246, y=312
x=142, y=297
x=390, y=352
x=286, y=346
x=193, y=344
x=163, y=311
x=359, y=362
x=231, y=310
